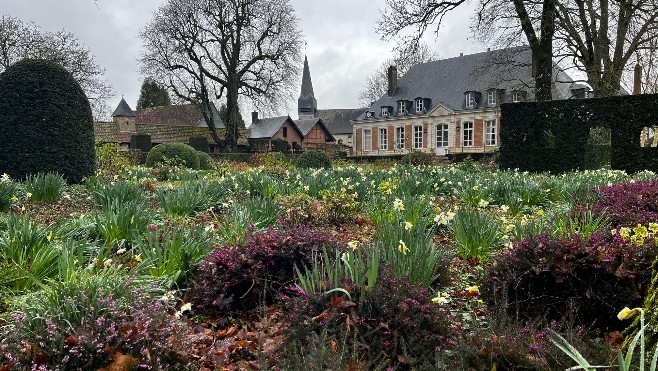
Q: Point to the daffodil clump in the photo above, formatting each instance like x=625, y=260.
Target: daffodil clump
x=637, y=235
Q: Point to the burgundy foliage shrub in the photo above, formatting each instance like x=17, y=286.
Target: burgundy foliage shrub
x=628, y=204
x=548, y=277
x=248, y=274
x=397, y=320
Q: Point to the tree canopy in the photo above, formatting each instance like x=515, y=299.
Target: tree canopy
x=20, y=40
x=208, y=50
x=152, y=94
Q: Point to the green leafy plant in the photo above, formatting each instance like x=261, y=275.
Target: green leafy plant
x=8, y=190
x=169, y=254
x=106, y=194
x=121, y=223
x=45, y=187
x=476, y=234
x=186, y=199
x=173, y=154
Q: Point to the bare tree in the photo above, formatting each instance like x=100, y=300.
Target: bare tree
x=405, y=58
x=648, y=60
x=208, y=50
x=601, y=37
x=20, y=40
x=536, y=20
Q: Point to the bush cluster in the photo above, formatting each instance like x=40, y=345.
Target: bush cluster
x=313, y=159
x=549, y=277
x=418, y=158
x=250, y=273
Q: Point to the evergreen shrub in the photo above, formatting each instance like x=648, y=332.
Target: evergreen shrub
x=313, y=159
x=173, y=154
x=205, y=161
x=46, y=123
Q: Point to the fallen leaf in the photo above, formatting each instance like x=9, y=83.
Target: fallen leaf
x=226, y=333
x=356, y=366
x=71, y=340
x=122, y=362
x=334, y=346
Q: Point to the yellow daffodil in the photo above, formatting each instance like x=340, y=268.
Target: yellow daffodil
x=483, y=203
x=138, y=257
x=402, y=247
x=23, y=208
x=653, y=227
x=473, y=289
x=475, y=188
x=353, y=245
x=132, y=220
x=540, y=212
x=510, y=227
x=407, y=226
x=50, y=236
x=14, y=198
x=627, y=313
x=28, y=195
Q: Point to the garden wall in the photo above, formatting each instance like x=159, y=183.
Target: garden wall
x=557, y=136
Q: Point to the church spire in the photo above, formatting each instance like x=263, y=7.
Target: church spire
x=307, y=105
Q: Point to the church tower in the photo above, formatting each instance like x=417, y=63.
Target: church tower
x=307, y=106
x=124, y=116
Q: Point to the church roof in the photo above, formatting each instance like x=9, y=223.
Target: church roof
x=339, y=121
x=307, y=85
x=123, y=109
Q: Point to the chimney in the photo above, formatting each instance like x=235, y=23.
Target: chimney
x=254, y=117
x=637, y=79
x=461, y=54
x=392, y=80
x=488, y=50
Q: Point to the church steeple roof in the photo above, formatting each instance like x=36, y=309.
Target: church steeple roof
x=307, y=105
x=307, y=85
x=123, y=109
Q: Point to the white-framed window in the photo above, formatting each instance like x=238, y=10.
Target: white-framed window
x=385, y=111
x=367, y=140
x=418, y=137
x=490, y=132
x=442, y=136
x=492, y=98
x=467, y=137
x=399, y=137
x=420, y=106
x=383, y=139
x=469, y=99
x=402, y=107
x=517, y=96
x=370, y=114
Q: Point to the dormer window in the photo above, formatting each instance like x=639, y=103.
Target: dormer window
x=402, y=107
x=469, y=99
x=420, y=105
x=385, y=112
x=370, y=114
x=518, y=96
x=492, y=98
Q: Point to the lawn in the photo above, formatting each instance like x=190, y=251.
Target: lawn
x=357, y=267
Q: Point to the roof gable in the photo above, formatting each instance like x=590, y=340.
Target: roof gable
x=306, y=125
x=123, y=109
x=267, y=127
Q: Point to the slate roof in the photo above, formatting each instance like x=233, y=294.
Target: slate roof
x=109, y=132
x=267, y=127
x=445, y=81
x=123, y=109
x=177, y=115
x=307, y=84
x=339, y=121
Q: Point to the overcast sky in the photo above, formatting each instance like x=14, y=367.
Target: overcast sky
x=342, y=45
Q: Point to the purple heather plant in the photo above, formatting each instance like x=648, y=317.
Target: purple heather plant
x=142, y=328
x=250, y=273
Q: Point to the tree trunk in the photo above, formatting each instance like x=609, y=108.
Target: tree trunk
x=233, y=115
x=542, y=62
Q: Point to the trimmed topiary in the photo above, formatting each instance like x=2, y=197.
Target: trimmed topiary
x=200, y=143
x=46, y=123
x=313, y=159
x=173, y=154
x=205, y=161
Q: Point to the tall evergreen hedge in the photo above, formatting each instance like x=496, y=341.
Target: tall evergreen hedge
x=46, y=123
x=553, y=136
